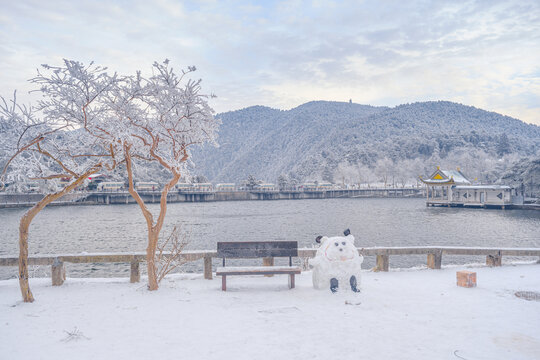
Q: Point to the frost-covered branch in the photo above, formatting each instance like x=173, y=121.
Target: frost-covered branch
x=169, y=255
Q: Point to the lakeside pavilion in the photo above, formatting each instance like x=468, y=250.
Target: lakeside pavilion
x=453, y=188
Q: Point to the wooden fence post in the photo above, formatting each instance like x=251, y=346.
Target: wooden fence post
x=305, y=263
x=135, y=275
x=434, y=260
x=382, y=263
x=268, y=261
x=494, y=260
x=208, y=267
x=58, y=272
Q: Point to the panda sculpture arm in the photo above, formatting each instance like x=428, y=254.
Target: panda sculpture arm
x=316, y=261
x=313, y=262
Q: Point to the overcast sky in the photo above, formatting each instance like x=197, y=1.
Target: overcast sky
x=282, y=54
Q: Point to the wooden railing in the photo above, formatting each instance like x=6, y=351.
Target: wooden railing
x=434, y=258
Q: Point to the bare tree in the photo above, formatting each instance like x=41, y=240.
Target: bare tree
x=283, y=182
x=384, y=169
x=364, y=174
x=130, y=120
x=164, y=117
x=44, y=149
x=252, y=182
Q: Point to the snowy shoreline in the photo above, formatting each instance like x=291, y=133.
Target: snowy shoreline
x=412, y=314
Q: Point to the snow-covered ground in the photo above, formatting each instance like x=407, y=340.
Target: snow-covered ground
x=418, y=314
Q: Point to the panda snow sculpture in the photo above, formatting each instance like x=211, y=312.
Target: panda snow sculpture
x=337, y=263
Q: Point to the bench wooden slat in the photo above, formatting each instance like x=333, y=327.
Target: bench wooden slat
x=257, y=249
x=258, y=270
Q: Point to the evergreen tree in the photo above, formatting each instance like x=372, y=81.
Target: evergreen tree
x=503, y=146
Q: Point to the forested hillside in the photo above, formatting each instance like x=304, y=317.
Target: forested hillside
x=351, y=143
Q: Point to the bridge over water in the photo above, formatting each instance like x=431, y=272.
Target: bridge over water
x=123, y=197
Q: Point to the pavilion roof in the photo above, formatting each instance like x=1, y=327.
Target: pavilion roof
x=447, y=177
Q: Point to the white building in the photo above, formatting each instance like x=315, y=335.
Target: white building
x=452, y=188
x=226, y=187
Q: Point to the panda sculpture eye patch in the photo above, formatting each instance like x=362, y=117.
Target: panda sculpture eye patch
x=337, y=244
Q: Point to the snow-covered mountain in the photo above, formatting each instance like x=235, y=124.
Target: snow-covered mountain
x=325, y=140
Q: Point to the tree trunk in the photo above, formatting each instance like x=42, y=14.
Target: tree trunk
x=153, y=229
x=24, y=226
x=23, y=254
x=153, y=237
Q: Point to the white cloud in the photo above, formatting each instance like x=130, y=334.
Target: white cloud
x=281, y=54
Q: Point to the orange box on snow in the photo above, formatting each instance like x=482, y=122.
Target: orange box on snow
x=466, y=279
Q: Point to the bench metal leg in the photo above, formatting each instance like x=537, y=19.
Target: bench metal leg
x=224, y=282
x=291, y=281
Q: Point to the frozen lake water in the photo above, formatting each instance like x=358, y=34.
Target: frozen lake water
x=373, y=222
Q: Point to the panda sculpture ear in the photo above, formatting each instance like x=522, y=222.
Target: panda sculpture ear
x=347, y=232
x=318, y=239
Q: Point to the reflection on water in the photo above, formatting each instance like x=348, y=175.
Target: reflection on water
x=374, y=222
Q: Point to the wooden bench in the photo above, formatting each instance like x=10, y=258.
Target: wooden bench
x=257, y=249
